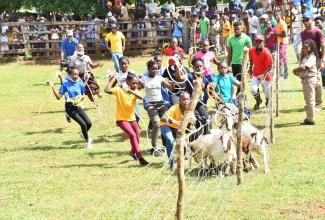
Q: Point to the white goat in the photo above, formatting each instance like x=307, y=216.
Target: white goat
x=257, y=142
x=218, y=148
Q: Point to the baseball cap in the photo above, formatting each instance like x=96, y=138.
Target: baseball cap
x=109, y=4
x=259, y=37
x=113, y=26
x=269, y=12
x=233, y=16
x=264, y=16
x=69, y=33
x=109, y=14
x=304, y=5
x=251, y=10
x=269, y=22
x=308, y=14
x=246, y=11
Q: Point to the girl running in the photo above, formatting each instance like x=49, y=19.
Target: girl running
x=74, y=91
x=125, y=112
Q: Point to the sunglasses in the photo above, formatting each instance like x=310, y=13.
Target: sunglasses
x=305, y=19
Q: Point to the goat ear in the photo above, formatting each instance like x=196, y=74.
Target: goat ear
x=253, y=134
x=266, y=140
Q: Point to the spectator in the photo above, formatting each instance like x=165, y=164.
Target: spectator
x=124, y=12
x=90, y=32
x=215, y=34
x=139, y=15
x=270, y=39
x=4, y=39
x=253, y=22
x=204, y=27
x=281, y=5
x=263, y=19
x=235, y=6
x=161, y=26
x=315, y=34
x=270, y=14
x=225, y=33
x=264, y=5
x=171, y=49
x=68, y=47
x=232, y=21
x=281, y=34
x=109, y=20
x=299, y=28
x=55, y=36
x=320, y=23
x=117, y=40
x=152, y=9
x=168, y=9
x=177, y=30
x=236, y=46
x=212, y=12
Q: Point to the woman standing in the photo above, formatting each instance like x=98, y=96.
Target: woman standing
x=74, y=92
x=307, y=71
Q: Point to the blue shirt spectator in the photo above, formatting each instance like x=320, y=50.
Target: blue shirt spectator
x=68, y=46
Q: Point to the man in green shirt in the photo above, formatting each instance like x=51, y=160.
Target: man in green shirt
x=270, y=14
x=204, y=27
x=320, y=23
x=236, y=44
x=263, y=20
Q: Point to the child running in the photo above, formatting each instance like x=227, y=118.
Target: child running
x=74, y=91
x=307, y=71
x=125, y=109
x=156, y=107
x=170, y=122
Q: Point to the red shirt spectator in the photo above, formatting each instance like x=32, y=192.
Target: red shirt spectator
x=270, y=41
x=261, y=62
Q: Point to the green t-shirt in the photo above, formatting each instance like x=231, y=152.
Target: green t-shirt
x=204, y=25
x=273, y=21
x=237, y=45
x=263, y=29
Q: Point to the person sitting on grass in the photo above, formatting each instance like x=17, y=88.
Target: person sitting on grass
x=126, y=98
x=74, y=92
x=170, y=122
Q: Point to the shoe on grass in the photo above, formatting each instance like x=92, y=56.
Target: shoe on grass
x=89, y=145
x=134, y=156
x=68, y=118
x=154, y=152
x=306, y=122
x=89, y=139
x=318, y=108
x=143, y=162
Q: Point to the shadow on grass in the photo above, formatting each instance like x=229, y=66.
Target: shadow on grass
x=290, y=90
x=290, y=111
x=57, y=130
x=102, y=165
x=109, y=152
x=48, y=148
x=284, y=125
x=49, y=112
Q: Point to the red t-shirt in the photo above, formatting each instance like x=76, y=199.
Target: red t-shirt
x=271, y=41
x=316, y=35
x=261, y=62
x=170, y=52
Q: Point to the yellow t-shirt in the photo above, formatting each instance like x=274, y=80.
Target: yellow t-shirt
x=116, y=41
x=125, y=104
x=176, y=113
x=279, y=28
x=224, y=32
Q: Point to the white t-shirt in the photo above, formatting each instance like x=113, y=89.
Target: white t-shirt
x=254, y=21
x=152, y=87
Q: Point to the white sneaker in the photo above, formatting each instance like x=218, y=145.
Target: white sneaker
x=89, y=145
x=89, y=139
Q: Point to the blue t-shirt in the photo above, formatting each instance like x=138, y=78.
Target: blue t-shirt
x=177, y=32
x=224, y=86
x=73, y=90
x=69, y=47
x=190, y=84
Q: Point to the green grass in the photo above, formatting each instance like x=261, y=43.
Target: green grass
x=46, y=172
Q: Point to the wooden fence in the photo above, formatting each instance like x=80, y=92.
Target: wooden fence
x=138, y=41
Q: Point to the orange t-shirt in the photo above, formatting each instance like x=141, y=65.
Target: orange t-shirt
x=279, y=28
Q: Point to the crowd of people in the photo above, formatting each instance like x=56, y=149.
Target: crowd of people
x=168, y=90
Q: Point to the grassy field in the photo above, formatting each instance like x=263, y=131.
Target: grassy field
x=47, y=173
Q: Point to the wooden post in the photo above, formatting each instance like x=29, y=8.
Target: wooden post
x=272, y=140
x=277, y=79
x=185, y=34
x=180, y=147
x=239, y=170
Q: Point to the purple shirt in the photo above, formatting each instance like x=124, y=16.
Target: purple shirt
x=316, y=35
x=207, y=61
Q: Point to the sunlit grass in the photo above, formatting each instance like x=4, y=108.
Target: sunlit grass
x=46, y=172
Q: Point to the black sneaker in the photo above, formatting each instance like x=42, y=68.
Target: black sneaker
x=134, y=156
x=154, y=152
x=143, y=162
x=68, y=118
x=305, y=122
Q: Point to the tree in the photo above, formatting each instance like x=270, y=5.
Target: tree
x=10, y=6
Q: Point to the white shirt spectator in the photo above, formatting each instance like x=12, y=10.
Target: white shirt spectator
x=253, y=21
x=152, y=7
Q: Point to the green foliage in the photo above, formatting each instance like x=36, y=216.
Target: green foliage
x=28, y=55
x=7, y=6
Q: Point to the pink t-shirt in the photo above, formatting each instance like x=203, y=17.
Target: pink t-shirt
x=207, y=61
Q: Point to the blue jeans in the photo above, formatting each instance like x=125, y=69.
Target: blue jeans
x=296, y=43
x=116, y=59
x=206, y=96
x=169, y=134
x=203, y=37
